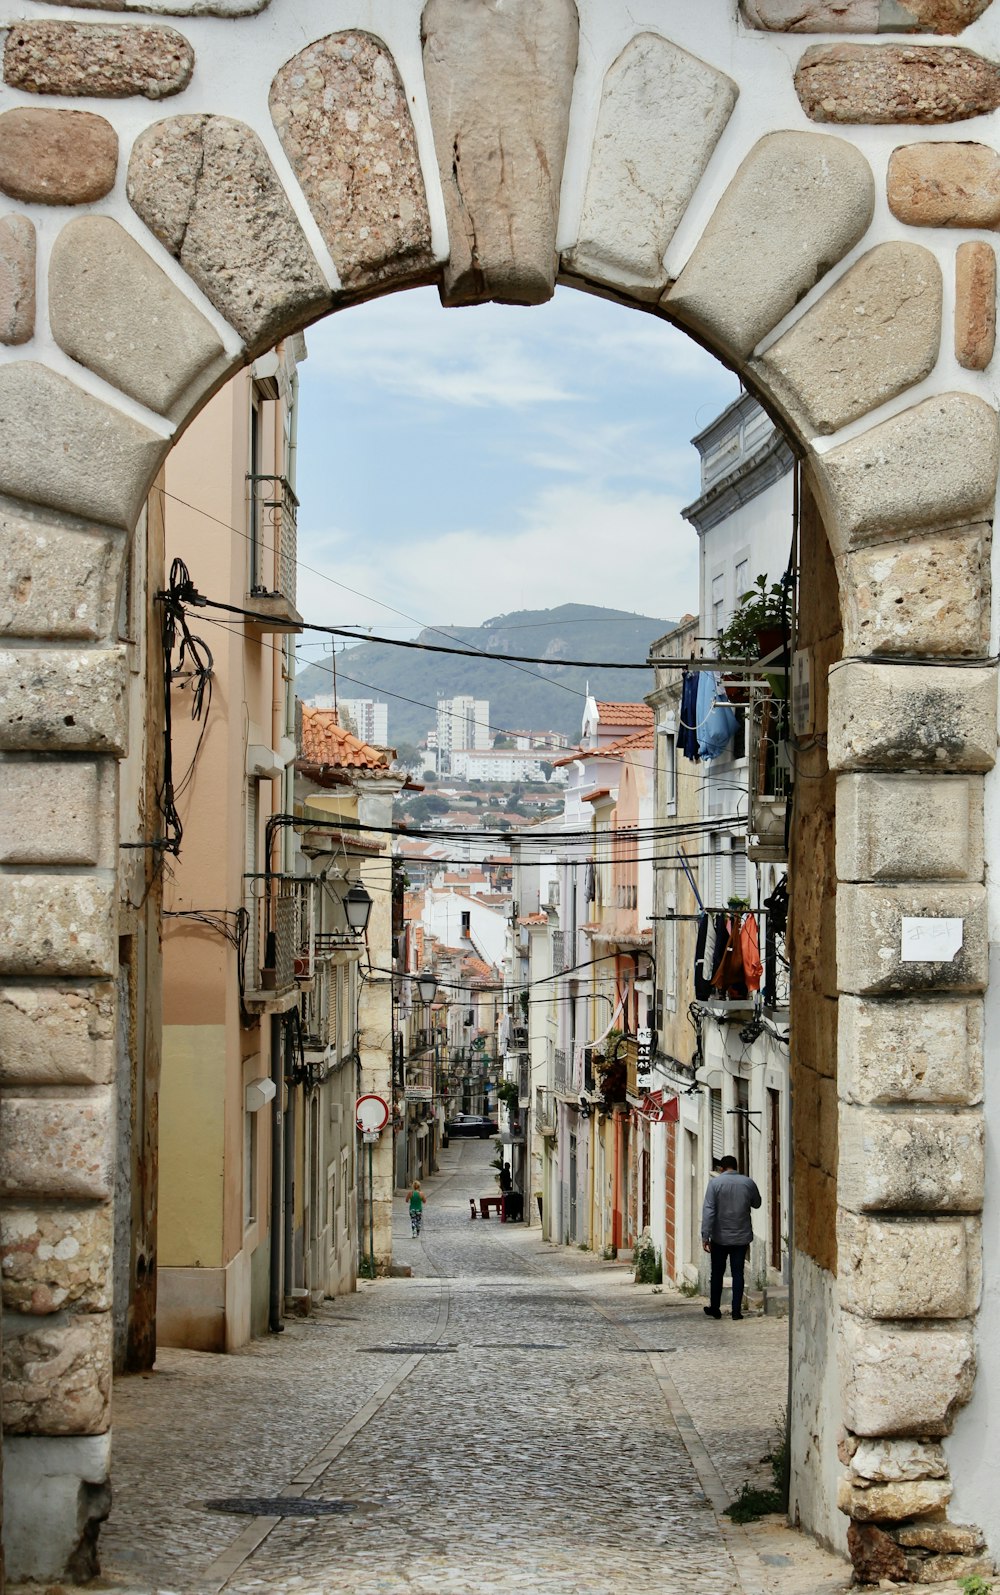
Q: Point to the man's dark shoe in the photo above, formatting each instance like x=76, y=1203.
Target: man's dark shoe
x=712, y=1312
x=737, y=1316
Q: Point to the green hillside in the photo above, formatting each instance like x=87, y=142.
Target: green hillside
x=548, y=697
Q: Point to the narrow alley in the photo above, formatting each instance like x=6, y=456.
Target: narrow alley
x=514, y=1416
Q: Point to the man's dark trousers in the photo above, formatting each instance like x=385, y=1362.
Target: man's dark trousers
x=737, y=1257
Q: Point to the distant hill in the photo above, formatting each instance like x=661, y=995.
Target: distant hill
x=528, y=697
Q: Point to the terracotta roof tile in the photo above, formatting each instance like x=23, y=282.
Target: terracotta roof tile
x=638, y=739
x=625, y=714
x=325, y=742
x=533, y=919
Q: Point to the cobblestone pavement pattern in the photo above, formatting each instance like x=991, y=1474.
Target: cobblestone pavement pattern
x=514, y=1417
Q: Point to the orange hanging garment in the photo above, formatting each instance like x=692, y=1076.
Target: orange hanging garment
x=750, y=949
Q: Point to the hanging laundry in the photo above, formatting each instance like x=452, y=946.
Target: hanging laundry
x=687, y=738
x=750, y=953
x=702, y=981
x=716, y=722
x=729, y=978
x=589, y=883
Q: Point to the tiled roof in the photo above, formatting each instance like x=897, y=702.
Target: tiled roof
x=598, y=793
x=625, y=714
x=476, y=966
x=327, y=743
x=533, y=919
x=638, y=739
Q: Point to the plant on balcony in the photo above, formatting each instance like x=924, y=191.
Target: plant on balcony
x=507, y=1093
x=759, y=624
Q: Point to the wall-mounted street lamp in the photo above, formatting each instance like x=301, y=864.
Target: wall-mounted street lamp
x=427, y=986
x=358, y=908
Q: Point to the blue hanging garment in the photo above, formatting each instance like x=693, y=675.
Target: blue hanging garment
x=716, y=721
x=687, y=739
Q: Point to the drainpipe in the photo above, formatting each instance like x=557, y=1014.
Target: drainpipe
x=288, y=1170
x=274, y=1322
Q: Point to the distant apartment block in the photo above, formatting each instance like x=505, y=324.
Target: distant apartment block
x=461, y=723
x=497, y=764
x=369, y=719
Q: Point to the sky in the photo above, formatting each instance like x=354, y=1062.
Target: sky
x=455, y=465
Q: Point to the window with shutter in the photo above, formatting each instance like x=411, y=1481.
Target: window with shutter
x=718, y=1141
x=252, y=866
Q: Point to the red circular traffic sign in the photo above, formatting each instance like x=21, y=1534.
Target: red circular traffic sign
x=371, y=1112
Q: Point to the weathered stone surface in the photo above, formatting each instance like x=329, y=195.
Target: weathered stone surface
x=205, y=187
x=890, y=1502
x=903, y=1381
x=174, y=8
x=49, y=813
x=935, y=717
x=933, y=465
x=929, y=595
x=58, y=1146
x=96, y=59
x=862, y=16
x=869, y=933
x=58, y=925
x=948, y=1569
x=873, y=334
x=57, y=157
x=662, y=114
x=878, y=83
x=57, y=1375
x=56, y=1036
x=71, y=1473
x=874, y=1554
x=920, y=1051
x=17, y=279
x=55, y=700
x=910, y=1161
x=945, y=185
x=59, y=577
x=975, y=304
x=888, y=1461
x=60, y=447
x=957, y=1539
x=797, y=204
x=898, y=1268
x=114, y=310
x=341, y=114
x=909, y=827
x=499, y=84
x=56, y=1257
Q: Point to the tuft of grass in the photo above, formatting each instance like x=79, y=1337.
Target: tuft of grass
x=688, y=1287
x=975, y=1585
x=753, y=1502
x=647, y=1263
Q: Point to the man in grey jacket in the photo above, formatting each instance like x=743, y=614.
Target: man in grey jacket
x=726, y=1231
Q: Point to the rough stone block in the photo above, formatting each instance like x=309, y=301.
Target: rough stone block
x=60, y=577
x=875, y=333
x=958, y=1539
x=63, y=448
x=888, y=1461
x=927, y=596
x=49, y=812
x=907, y=1268
x=114, y=310
x=921, y=1051
x=17, y=279
x=862, y=16
x=910, y=1161
x=56, y=1257
x=57, y=157
x=58, y=1147
x=890, y=1502
x=869, y=938
x=95, y=59
x=874, y=1554
x=63, y=701
x=934, y=717
x=662, y=114
x=909, y=827
x=176, y=8
x=945, y=185
x=880, y=83
x=903, y=1381
x=975, y=305
x=341, y=114
x=933, y=465
x=499, y=84
x=948, y=1569
x=71, y=1476
x=59, y=925
x=54, y=1036
x=204, y=185
x=797, y=204
x=57, y=1375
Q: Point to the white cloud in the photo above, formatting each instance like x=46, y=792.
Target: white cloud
x=626, y=550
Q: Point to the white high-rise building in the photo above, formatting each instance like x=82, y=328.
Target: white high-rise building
x=369, y=718
x=461, y=723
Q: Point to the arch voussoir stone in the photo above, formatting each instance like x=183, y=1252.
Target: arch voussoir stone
x=795, y=207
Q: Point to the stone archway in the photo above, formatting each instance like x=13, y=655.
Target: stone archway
x=493, y=147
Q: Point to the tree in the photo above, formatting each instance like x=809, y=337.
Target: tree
x=408, y=755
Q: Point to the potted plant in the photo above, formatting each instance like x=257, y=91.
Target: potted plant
x=759, y=624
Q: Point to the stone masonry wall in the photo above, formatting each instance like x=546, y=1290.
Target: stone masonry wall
x=785, y=202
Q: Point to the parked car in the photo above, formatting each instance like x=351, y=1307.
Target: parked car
x=471, y=1124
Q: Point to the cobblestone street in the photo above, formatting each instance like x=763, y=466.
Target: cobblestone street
x=514, y=1417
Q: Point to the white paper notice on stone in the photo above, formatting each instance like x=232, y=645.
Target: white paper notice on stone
x=931, y=941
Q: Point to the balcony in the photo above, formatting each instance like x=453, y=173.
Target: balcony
x=545, y=1112
x=272, y=511
x=280, y=941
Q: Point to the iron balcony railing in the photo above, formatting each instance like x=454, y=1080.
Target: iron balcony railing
x=273, y=511
x=560, y=1074
x=545, y=1111
x=282, y=940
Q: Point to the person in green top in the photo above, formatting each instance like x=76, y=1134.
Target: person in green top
x=417, y=1200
